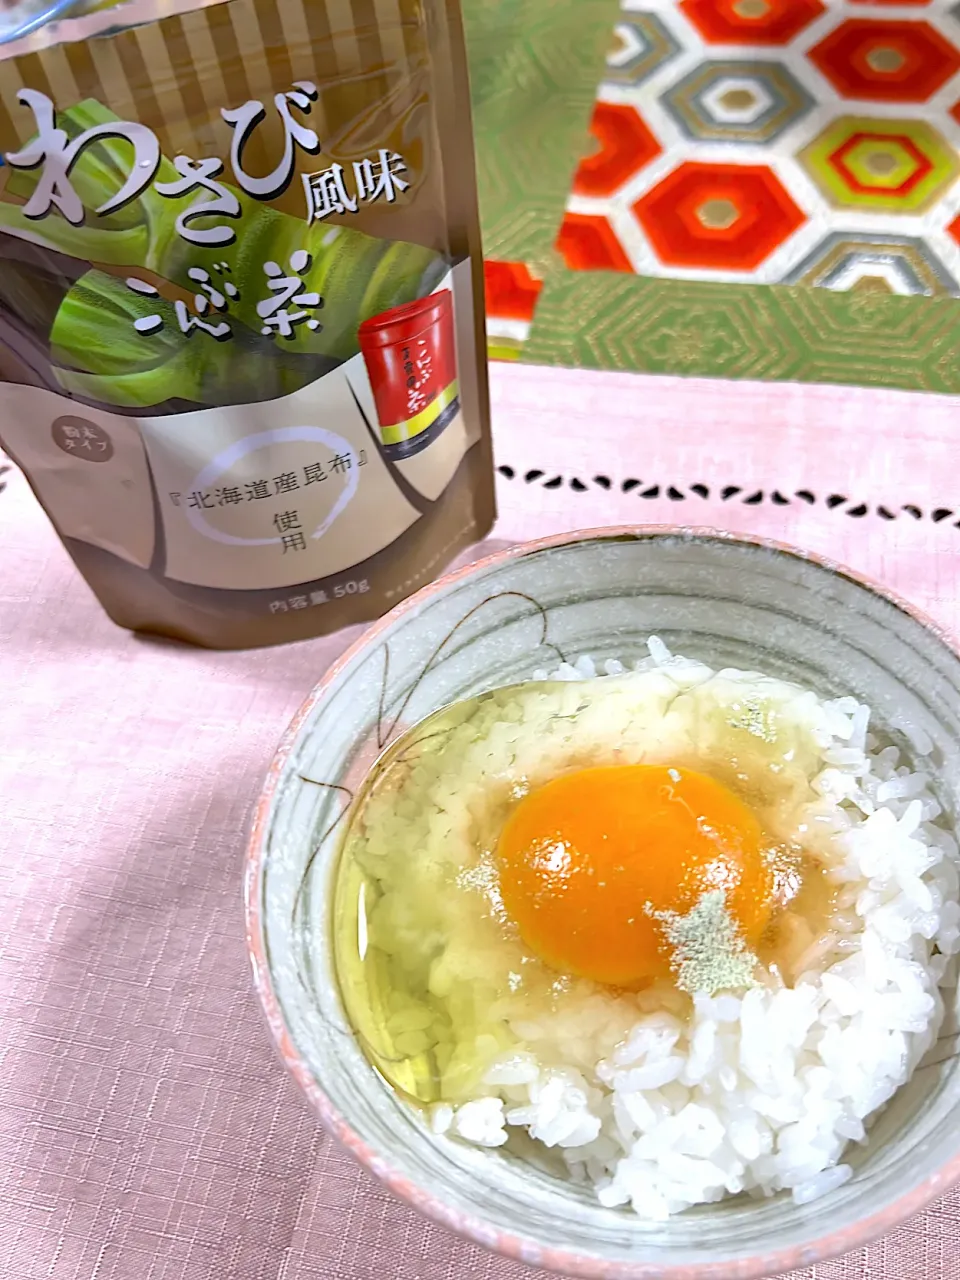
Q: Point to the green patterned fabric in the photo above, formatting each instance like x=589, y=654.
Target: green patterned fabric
x=605, y=320
x=534, y=70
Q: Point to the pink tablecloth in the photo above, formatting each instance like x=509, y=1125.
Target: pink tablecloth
x=146, y=1130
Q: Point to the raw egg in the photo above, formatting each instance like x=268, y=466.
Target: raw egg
x=591, y=863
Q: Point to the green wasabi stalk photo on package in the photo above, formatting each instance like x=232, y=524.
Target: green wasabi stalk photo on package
x=255, y=275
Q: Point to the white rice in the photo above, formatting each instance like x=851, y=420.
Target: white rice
x=763, y=1090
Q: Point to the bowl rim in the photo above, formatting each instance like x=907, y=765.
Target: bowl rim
x=426, y=1202
x=32, y=22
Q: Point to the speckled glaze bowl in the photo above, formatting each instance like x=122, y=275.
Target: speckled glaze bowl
x=728, y=601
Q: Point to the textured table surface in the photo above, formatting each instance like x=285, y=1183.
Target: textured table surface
x=146, y=1130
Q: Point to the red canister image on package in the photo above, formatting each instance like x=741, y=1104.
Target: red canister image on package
x=410, y=355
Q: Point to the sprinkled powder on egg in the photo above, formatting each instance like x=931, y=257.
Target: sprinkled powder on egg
x=708, y=950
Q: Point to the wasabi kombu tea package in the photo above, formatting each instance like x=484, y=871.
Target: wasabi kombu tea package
x=241, y=331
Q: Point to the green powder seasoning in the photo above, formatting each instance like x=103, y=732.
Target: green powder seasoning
x=708, y=953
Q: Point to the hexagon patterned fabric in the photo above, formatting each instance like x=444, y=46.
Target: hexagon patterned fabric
x=755, y=140
x=772, y=191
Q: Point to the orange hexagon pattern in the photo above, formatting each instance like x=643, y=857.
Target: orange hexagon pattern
x=626, y=145
x=758, y=132
x=718, y=215
x=880, y=61
x=588, y=242
x=760, y=22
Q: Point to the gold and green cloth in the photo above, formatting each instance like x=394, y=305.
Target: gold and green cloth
x=734, y=188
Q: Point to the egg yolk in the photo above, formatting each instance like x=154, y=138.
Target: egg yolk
x=588, y=861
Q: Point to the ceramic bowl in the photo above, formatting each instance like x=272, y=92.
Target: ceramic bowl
x=726, y=600
x=24, y=19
